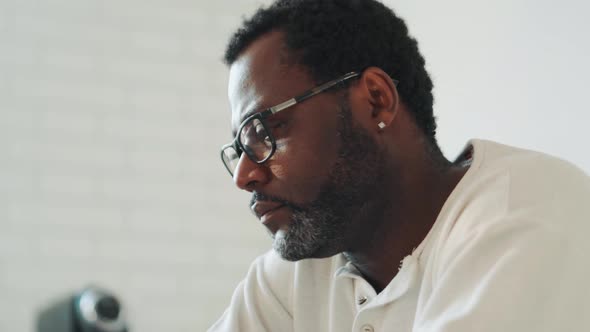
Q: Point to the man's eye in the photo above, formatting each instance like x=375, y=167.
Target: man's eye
x=260, y=132
x=278, y=124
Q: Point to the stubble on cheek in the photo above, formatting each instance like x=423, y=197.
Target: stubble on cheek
x=303, y=163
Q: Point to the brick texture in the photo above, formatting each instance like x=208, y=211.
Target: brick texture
x=111, y=116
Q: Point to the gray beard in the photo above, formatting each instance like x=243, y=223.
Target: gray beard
x=352, y=196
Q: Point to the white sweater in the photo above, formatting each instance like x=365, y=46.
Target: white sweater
x=509, y=252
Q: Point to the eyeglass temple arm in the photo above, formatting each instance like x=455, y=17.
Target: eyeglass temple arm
x=311, y=93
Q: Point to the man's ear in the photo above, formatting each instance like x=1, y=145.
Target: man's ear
x=381, y=93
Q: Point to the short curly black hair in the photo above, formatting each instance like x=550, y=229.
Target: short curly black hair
x=333, y=37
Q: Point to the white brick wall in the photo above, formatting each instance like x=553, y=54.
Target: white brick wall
x=112, y=113
x=111, y=116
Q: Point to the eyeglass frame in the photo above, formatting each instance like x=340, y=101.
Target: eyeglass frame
x=238, y=146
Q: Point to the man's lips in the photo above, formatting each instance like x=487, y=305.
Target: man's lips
x=260, y=208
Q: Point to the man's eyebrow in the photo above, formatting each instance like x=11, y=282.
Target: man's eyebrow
x=247, y=115
x=250, y=113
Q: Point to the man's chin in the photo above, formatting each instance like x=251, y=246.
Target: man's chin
x=288, y=250
x=293, y=251
x=289, y=257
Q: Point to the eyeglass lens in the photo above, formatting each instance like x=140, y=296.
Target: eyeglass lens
x=230, y=158
x=255, y=140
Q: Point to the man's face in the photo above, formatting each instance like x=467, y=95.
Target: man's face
x=323, y=181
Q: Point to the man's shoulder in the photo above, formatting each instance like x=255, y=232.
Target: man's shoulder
x=529, y=176
x=492, y=156
x=510, y=187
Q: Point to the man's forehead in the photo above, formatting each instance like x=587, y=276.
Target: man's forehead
x=241, y=92
x=258, y=77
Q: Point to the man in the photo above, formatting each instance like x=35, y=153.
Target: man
x=334, y=137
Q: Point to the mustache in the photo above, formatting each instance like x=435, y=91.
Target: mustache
x=260, y=197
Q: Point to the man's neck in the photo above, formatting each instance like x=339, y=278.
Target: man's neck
x=405, y=225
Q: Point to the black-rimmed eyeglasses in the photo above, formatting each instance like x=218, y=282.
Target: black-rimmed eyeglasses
x=253, y=135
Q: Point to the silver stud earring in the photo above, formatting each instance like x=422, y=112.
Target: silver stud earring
x=381, y=125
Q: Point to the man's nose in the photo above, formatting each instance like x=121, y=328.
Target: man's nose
x=249, y=175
